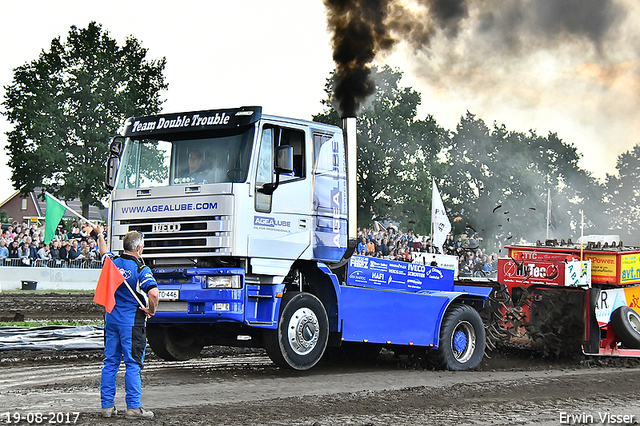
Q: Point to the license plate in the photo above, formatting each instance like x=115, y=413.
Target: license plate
x=168, y=294
x=221, y=307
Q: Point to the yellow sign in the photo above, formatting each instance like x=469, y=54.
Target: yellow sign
x=632, y=295
x=630, y=268
x=603, y=267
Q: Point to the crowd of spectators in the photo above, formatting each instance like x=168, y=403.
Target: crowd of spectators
x=26, y=243
x=393, y=244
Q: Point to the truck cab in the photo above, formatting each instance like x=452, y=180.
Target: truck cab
x=203, y=188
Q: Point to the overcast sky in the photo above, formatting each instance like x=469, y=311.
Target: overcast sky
x=512, y=64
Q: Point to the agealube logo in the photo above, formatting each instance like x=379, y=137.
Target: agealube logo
x=266, y=222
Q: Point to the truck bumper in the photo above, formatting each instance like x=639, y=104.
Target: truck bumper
x=254, y=305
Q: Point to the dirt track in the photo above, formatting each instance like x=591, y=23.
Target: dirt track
x=40, y=305
x=242, y=387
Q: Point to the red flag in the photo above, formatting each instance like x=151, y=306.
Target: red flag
x=109, y=281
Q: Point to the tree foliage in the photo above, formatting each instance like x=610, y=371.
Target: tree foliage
x=397, y=153
x=65, y=106
x=498, y=182
x=623, y=196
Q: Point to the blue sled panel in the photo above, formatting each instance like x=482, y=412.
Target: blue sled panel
x=385, y=274
x=382, y=316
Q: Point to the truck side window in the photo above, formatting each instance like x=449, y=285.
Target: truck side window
x=294, y=138
x=264, y=174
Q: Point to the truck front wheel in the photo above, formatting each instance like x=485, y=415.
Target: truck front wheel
x=173, y=342
x=462, y=340
x=301, y=337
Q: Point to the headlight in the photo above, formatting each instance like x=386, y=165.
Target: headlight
x=224, y=281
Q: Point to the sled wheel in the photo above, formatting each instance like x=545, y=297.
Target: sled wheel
x=626, y=323
x=301, y=337
x=173, y=342
x=462, y=340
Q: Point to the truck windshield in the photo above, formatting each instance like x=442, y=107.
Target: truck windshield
x=155, y=162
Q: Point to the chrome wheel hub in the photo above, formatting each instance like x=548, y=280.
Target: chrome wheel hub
x=303, y=331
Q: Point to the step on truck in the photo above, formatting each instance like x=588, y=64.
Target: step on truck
x=250, y=222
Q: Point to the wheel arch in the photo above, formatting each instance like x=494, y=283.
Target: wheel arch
x=320, y=281
x=477, y=302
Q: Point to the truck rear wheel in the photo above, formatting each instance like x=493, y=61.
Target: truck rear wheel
x=173, y=342
x=301, y=337
x=462, y=340
x=626, y=323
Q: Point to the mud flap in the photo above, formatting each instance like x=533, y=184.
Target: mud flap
x=592, y=330
x=556, y=323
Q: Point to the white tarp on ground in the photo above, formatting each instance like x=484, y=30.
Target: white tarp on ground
x=58, y=337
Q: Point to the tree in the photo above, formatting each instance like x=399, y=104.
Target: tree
x=498, y=181
x=397, y=153
x=623, y=196
x=65, y=106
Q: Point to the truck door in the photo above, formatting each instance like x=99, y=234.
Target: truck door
x=281, y=220
x=329, y=197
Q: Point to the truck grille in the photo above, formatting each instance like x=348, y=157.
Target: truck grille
x=178, y=237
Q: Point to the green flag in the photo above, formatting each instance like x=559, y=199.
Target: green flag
x=55, y=211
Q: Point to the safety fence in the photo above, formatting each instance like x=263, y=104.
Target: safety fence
x=53, y=263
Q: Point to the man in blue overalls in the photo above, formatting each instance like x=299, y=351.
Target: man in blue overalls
x=124, y=328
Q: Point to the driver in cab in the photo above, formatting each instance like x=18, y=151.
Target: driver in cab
x=195, y=173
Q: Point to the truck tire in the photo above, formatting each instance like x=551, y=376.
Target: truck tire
x=301, y=337
x=173, y=342
x=626, y=323
x=462, y=340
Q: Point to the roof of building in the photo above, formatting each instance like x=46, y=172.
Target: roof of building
x=41, y=206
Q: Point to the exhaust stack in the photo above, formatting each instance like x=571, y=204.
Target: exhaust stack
x=350, y=136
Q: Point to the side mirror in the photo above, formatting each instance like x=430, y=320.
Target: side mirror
x=115, y=147
x=284, y=164
x=284, y=159
x=112, y=171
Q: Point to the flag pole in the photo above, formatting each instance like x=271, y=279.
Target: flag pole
x=548, y=199
x=134, y=294
x=431, y=230
x=432, y=224
x=581, y=237
x=71, y=210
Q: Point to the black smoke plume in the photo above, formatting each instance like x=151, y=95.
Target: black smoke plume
x=359, y=33
x=506, y=29
x=362, y=29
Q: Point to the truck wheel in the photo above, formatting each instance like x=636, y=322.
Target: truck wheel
x=173, y=342
x=302, y=333
x=626, y=323
x=462, y=340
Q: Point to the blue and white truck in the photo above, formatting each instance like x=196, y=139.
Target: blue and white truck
x=250, y=222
